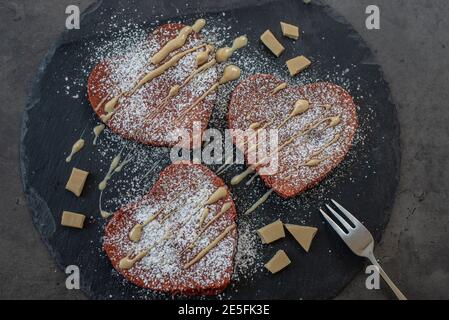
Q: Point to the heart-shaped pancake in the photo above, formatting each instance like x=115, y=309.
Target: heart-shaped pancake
x=186, y=248
x=148, y=115
x=318, y=137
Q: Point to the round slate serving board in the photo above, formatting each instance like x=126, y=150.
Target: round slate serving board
x=58, y=113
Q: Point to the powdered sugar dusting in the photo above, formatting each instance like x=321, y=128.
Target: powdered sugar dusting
x=172, y=231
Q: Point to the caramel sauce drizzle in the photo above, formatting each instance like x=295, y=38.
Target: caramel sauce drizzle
x=175, y=89
x=313, y=160
x=299, y=108
x=333, y=121
x=77, y=146
x=114, y=164
x=102, y=101
x=128, y=262
x=177, y=42
x=223, y=210
x=97, y=131
x=214, y=243
x=257, y=126
x=203, y=64
x=230, y=73
x=203, y=216
x=110, y=106
x=223, y=54
x=280, y=87
x=203, y=56
x=136, y=232
x=259, y=202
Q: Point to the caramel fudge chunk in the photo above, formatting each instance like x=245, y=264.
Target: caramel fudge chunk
x=290, y=31
x=72, y=219
x=279, y=261
x=272, y=232
x=304, y=235
x=270, y=41
x=76, y=181
x=298, y=64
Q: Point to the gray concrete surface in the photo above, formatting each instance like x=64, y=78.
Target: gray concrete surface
x=412, y=46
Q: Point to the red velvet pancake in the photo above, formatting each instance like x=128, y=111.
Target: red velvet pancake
x=253, y=101
x=178, y=191
x=142, y=116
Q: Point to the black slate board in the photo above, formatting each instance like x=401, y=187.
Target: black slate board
x=365, y=182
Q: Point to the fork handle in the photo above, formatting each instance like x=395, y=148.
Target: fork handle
x=387, y=279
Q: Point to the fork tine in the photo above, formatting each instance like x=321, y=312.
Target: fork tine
x=347, y=213
x=342, y=221
x=336, y=227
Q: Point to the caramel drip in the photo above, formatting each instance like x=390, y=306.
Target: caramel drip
x=106, y=117
x=136, y=232
x=239, y=178
x=223, y=210
x=200, y=99
x=105, y=214
x=259, y=202
x=177, y=42
x=203, y=56
x=219, y=194
x=333, y=121
x=299, y=108
x=102, y=101
x=209, y=247
x=204, y=67
x=77, y=146
x=175, y=89
x=230, y=73
x=97, y=131
x=110, y=106
x=313, y=161
x=280, y=87
x=164, y=67
x=255, y=125
x=227, y=164
x=127, y=263
x=223, y=54
x=204, y=216
x=115, y=162
x=326, y=106
x=252, y=178
x=122, y=164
